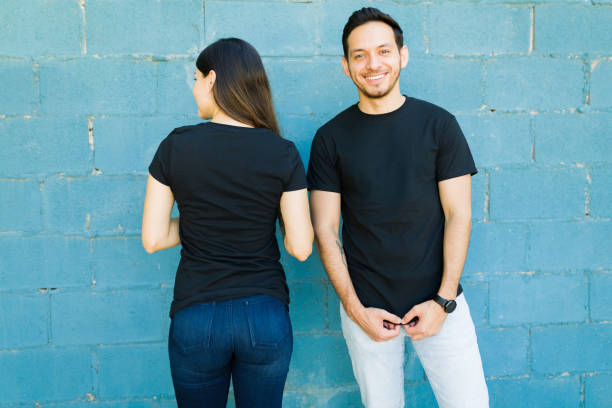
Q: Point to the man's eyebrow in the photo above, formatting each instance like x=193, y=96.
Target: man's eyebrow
x=363, y=49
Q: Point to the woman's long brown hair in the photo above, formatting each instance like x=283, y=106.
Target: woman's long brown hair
x=241, y=87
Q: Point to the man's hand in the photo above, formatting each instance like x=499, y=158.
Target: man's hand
x=372, y=322
x=431, y=318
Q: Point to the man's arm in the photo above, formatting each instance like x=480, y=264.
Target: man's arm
x=455, y=196
x=325, y=207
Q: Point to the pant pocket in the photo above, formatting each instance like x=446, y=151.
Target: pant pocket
x=269, y=323
x=192, y=326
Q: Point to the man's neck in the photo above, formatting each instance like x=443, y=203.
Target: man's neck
x=386, y=104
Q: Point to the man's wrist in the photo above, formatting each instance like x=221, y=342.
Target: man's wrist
x=355, y=311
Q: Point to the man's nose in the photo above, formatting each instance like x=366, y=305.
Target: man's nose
x=373, y=62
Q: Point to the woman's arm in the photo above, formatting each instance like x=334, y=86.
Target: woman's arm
x=159, y=231
x=298, y=234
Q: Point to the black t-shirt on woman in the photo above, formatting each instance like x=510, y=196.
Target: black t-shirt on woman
x=227, y=182
x=387, y=168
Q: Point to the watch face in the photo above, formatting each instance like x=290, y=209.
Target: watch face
x=450, y=306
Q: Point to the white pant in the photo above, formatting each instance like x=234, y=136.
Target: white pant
x=451, y=361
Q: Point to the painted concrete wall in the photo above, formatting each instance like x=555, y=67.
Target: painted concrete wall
x=89, y=88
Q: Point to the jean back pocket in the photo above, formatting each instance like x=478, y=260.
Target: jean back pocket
x=192, y=327
x=269, y=322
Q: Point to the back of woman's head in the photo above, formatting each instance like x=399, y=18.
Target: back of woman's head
x=241, y=87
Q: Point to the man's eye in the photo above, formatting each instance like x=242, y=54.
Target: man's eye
x=358, y=56
x=385, y=51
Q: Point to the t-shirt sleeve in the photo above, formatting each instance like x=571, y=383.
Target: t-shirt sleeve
x=296, y=177
x=160, y=164
x=322, y=172
x=454, y=157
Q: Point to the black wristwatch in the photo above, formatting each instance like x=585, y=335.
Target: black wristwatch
x=448, y=305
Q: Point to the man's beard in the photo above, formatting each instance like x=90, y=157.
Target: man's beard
x=381, y=94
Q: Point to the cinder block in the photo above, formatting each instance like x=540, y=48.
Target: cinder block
x=333, y=308
x=310, y=86
x=341, y=399
x=498, y=140
x=174, y=90
x=45, y=374
x=32, y=28
x=556, y=246
x=600, y=288
x=419, y=395
x=24, y=320
x=308, y=308
x=127, y=145
x=296, y=22
x=311, y=368
x=453, y=84
x=538, y=299
x=106, y=317
x=296, y=399
x=601, y=192
x=44, y=146
x=571, y=348
x=334, y=14
x=601, y=84
x=529, y=83
x=300, y=130
x=122, y=404
x=519, y=194
x=97, y=86
x=138, y=27
x=134, y=371
x=535, y=393
x=503, y=351
x=480, y=193
x=43, y=262
x=312, y=268
x=477, y=297
x=21, y=205
x=496, y=248
x=573, y=138
x=96, y=204
x=19, y=92
x=586, y=29
x=465, y=29
x=597, y=391
x=120, y=262
x=413, y=370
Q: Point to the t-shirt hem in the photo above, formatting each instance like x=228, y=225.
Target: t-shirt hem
x=295, y=187
x=332, y=189
x=457, y=174
x=239, y=293
x=158, y=178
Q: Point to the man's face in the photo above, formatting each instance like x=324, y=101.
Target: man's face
x=374, y=61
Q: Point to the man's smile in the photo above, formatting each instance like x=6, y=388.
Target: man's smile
x=375, y=78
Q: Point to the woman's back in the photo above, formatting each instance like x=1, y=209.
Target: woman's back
x=227, y=181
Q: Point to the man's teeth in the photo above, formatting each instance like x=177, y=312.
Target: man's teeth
x=375, y=77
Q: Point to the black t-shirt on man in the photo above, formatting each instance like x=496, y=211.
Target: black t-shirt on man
x=386, y=168
x=227, y=182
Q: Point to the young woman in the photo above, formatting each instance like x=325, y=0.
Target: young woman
x=231, y=177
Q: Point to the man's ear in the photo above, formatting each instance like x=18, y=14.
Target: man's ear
x=345, y=67
x=404, y=56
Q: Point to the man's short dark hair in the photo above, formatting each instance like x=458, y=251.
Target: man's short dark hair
x=366, y=15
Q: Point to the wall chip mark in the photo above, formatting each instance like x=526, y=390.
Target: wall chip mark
x=90, y=134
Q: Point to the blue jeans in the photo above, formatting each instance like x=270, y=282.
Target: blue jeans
x=249, y=340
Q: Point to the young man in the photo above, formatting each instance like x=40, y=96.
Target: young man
x=399, y=169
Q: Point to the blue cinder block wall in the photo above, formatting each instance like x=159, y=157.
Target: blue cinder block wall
x=88, y=88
